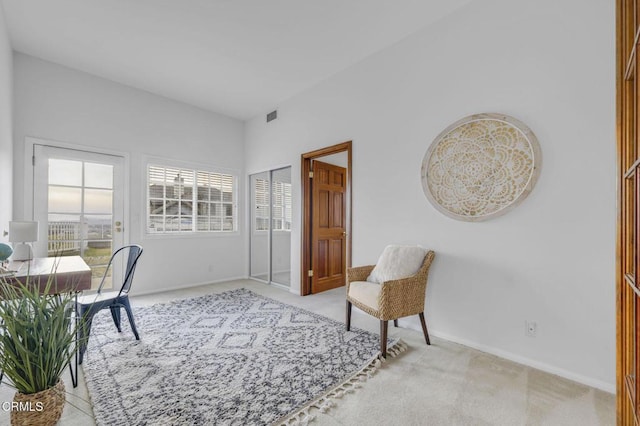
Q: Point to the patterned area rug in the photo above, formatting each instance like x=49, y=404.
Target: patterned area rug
x=235, y=358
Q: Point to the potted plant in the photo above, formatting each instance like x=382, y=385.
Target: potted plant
x=37, y=340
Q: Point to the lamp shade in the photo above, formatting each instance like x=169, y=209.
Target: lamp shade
x=23, y=231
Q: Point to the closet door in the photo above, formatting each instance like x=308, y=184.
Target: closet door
x=628, y=291
x=281, y=226
x=259, y=228
x=270, y=228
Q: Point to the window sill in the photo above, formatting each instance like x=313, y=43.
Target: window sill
x=189, y=235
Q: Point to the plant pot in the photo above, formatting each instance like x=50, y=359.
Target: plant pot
x=38, y=409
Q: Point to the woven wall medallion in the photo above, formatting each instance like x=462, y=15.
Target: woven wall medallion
x=481, y=167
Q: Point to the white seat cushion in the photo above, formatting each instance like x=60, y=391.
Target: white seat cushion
x=365, y=292
x=397, y=262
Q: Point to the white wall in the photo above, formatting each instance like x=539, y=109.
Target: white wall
x=60, y=104
x=550, y=64
x=6, y=126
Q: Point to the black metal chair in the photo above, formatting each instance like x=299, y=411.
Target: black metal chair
x=88, y=305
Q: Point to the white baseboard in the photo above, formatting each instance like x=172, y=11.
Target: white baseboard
x=589, y=381
x=184, y=286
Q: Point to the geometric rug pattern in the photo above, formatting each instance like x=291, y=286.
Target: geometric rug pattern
x=234, y=358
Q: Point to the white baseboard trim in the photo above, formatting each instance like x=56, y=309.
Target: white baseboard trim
x=274, y=284
x=589, y=381
x=184, y=286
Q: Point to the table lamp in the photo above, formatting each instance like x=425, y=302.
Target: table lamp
x=23, y=233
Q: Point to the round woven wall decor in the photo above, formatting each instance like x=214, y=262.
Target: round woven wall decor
x=481, y=167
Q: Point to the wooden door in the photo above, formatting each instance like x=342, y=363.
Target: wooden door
x=328, y=234
x=628, y=250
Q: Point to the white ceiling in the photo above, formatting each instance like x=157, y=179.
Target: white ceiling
x=236, y=57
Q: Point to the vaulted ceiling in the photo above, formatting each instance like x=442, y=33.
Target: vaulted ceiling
x=236, y=57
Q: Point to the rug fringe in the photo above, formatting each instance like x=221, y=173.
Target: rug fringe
x=323, y=403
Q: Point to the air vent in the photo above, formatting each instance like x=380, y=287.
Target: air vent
x=272, y=116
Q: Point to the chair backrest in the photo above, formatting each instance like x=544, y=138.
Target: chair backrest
x=426, y=264
x=131, y=253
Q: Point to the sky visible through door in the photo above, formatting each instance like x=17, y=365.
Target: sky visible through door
x=80, y=212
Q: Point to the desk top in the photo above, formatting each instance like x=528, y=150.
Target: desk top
x=70, y=273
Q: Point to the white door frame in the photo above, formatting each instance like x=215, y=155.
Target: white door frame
x=29, y=170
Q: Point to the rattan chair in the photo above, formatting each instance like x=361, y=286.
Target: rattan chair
x=391, y=299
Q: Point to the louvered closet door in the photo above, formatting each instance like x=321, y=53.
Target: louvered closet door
x=628, y=280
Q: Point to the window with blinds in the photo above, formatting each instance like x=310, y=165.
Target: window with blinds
x=261, y=202
x=187, y=200
x=280, y=206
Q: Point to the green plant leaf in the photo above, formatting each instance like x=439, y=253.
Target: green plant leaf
x=37, y=334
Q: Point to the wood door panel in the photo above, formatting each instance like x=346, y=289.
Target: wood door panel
x=338, y=179
x=324, y=209
x=329, y=270
x=322, y=258
x=336, y=254
x=328, y=260
x=337, y=208
x=322, y=176
x=628, y=223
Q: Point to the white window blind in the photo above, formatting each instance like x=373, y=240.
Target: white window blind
x=261, y=194
x=187, y=200
x=280, y=205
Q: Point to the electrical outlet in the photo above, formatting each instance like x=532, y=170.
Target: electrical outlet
x=531, y=328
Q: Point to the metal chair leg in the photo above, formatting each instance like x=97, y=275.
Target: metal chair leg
x=73, y=367
x=115, y=314
x=84, y=330
x=127, y=308
x=348, y=315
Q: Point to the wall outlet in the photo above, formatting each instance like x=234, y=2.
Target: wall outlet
x=531, y=328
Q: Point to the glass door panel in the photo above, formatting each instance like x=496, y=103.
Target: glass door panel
x=259, y=229
x=78, y=198
x=270, y=240
x=281, y=226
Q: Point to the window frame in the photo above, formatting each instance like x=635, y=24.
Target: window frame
x=194, y=169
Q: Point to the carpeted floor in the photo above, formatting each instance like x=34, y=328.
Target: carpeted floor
x=234, y=358
x=442, y=384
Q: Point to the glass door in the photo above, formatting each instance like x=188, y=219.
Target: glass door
x=259, y=241
x=270, y=255
x=79, y=203
x=281, y=226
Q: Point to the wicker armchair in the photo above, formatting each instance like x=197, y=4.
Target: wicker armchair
x=390, y=300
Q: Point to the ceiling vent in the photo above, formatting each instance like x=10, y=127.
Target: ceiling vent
x=272, y=116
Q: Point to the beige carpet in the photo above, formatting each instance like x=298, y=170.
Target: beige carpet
x=443, y=384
